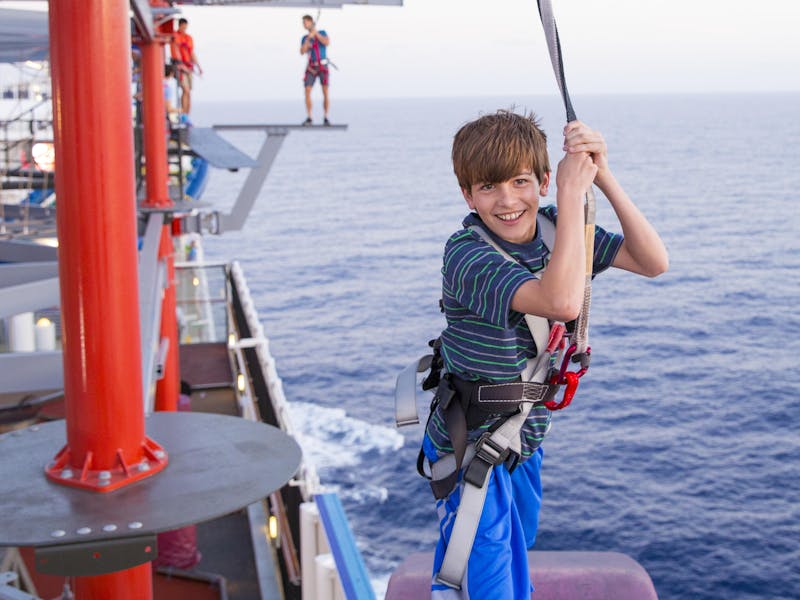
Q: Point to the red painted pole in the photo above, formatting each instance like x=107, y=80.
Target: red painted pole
x=106, y=443
x=157, y=188
x=154, y=120
x=168, y=387
x=131, y=584
x=181, y=544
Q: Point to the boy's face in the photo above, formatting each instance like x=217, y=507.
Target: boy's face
x=509, y=208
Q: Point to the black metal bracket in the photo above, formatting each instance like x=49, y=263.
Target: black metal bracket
x=96, y=557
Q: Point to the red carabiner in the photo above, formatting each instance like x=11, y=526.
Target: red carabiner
x=568, y=378
x=571, y=379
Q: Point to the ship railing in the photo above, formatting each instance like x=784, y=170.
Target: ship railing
x=316, y=548
x=201, y=301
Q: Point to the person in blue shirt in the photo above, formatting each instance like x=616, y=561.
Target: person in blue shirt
x=502, y=167
x=315, y=44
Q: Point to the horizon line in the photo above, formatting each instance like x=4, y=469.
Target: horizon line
x=526, y=95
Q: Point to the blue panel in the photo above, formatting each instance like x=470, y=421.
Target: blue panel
x=349, y=564
x=206, y=142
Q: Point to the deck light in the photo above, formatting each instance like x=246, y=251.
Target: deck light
x=240, y=382
x=273, y=527
x=44, y=155
x=45, y=335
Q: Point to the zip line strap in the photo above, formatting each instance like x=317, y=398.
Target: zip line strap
x=581, y=336
x=554, y=47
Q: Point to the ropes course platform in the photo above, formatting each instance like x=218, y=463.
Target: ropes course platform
x=279, y=128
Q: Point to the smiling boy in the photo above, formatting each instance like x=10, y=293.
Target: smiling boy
x=502, y=167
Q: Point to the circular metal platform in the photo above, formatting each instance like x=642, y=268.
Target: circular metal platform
x=217, y=465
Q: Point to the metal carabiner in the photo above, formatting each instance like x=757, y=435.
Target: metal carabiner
x=571, y=380
x=568, y=378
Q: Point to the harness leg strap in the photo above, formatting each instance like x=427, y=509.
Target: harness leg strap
x=456, y=557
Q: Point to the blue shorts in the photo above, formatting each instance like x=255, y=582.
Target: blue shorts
x=507, y=529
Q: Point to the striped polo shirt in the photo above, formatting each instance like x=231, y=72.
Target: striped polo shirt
x=484, y=338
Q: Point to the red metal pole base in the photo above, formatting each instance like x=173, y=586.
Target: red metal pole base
x=131, y=584
x=153, y=459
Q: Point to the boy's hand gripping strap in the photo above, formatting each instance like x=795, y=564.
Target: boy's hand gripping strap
x=581, y=335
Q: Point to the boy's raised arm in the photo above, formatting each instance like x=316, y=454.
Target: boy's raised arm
x=642, y=252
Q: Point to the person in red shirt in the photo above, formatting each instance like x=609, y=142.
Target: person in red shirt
x=185, y=60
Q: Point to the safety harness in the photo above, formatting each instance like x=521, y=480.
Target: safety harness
x=458, y=399
x=320, y=65
x=315, y=63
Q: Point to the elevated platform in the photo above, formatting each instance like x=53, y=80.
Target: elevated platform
x=555, y=575
x=278, y=128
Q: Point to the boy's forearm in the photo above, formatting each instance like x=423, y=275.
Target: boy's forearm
x=642, y=252
x=559, y=294
x=564, y=276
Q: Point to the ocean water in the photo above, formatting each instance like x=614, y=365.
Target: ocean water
x=682, y=447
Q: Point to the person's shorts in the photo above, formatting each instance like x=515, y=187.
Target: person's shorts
x=312, y=73
x=183, y=73
x=185, y=79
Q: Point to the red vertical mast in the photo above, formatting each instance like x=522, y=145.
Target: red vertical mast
x=96, y=219
x=157, y=188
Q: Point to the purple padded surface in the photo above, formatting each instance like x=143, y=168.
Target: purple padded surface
x=561, y=575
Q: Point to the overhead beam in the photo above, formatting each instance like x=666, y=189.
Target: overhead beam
x=18, y=273
x=27, y=297
x=29, y=371
x=143, y=19
x=21, y=251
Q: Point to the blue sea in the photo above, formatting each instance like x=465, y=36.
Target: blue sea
x=682, y=447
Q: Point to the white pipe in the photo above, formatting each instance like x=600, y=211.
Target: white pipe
x=309, y=522
x=326, y=580
x=45, y=335
x=21, y=337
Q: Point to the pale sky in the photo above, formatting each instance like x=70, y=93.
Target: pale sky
x=496, y=47
x=489, y=47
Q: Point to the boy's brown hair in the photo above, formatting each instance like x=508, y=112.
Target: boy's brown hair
x=495, y=148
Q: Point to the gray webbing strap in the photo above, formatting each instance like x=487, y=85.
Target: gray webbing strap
x=406, y=411
x=504, y=438
x=554, y=48
x=581, y=335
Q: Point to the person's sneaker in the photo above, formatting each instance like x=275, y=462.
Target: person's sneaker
x=326, y=122
x=307, y=122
